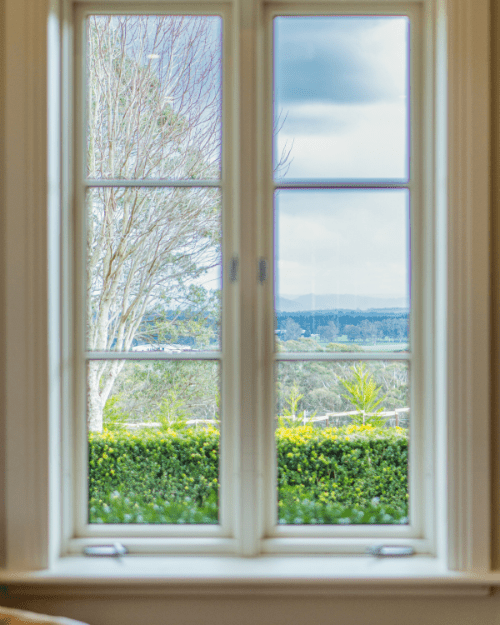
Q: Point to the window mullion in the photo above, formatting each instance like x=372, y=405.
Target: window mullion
x=249, y=470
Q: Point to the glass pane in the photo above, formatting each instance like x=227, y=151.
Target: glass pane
x=153, y=269
x=342, y=442
x=153, y=441
x=342, y=270
x=341, y=97
x=154, y=96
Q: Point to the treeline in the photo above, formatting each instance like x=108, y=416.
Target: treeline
x=353, y=325
x=329, y=325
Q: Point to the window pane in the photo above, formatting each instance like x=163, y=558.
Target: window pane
x=342, y=442
x=154, y=96
x=341, y=97
x=342, y=270
x=156, y=459
x=153, y=269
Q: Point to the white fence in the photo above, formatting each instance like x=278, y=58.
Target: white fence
x=397, y=417
x=188, y=423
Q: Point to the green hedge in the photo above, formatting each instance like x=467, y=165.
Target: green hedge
x=170, y=465
x=353, y=474
x=351, y=466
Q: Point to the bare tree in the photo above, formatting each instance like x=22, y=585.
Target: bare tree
x=153, y=111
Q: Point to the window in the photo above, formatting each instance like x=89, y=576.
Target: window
x=258, y=194
x=345, y=193
x=153, y=222
x=155, y=203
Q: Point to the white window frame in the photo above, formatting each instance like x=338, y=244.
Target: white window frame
x=418, y=533
x=207, y=537
x=317, y=539
x=36, y=450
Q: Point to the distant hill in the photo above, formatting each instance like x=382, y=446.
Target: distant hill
x=288, y=305
x=338, y=302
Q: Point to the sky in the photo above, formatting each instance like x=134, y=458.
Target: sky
x=340, y=106
x=342, y=242
x=340, y=96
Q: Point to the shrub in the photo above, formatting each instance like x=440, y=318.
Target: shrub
x=306, y=510
x=357, y=473
x=170, y=465
x=351, y=466
x=116, y=508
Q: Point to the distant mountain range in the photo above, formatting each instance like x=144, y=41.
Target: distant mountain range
x=291, y=303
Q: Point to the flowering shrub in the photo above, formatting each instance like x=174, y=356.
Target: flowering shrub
x=358, y=473
x=351, y=466
x=166, y=465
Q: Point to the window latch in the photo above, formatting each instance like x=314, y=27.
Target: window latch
x=233, y=269
x=106, y=551
x=262, y=270
x=391, y=551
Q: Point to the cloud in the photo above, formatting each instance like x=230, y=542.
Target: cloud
x=314, y=119
x=339, y=242
x=345, y=141
x=339, y=59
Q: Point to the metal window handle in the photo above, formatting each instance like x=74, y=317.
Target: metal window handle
x=106, y=551
x=233, y=269
x=262, y=270
x=391, y=551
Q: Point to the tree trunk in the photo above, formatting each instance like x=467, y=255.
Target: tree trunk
x=95, y=403
x=101, y=379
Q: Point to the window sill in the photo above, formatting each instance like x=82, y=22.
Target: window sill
x=265, y=575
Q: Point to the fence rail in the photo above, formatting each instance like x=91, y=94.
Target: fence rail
x=397, y=417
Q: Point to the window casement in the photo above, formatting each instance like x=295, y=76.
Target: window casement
x=260, y=197
x=134, y=193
